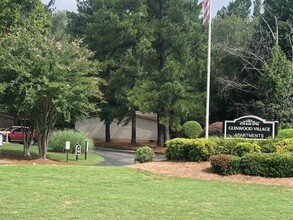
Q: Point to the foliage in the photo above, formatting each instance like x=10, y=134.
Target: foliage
x=285, y=133
x=190, y=149
x=267, y=165
x=58, y=138
x=280, y=24
x=170, y=82
x=144, y=154
x=224, y=164
x=284, y=145
x=239, y=8
x=243, y=148
x=276, y=88
x=46, y=79
x=267, y=146
x=116, y=32
x=215, y=130
x=26, y=13
x=226, y=146
x=176, y=149
x=191, y=129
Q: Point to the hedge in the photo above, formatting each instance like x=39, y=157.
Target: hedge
x=285, y=133
x=190, y=149
x=267, y=165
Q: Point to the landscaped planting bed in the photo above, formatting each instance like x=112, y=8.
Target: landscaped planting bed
x=267, y=158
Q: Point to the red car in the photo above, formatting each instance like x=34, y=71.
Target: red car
x=16, y=135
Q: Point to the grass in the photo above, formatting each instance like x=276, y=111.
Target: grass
x=83, y=192
x=16, y=150
x=90, y=192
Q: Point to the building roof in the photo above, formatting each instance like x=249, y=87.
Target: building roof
x=147, y=116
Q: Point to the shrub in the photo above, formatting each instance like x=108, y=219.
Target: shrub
x=215, y=129
x=191, y=129
x=177, y=149
x=220, y=163
x=225, y=164
x=144, y=154
x=283, y=146
x=190, y=149
x=285, y=133
x=226, y=146
x=267, y=146
x=58, y=139
x=243, y=148
x=201, y=150
x=267, y=165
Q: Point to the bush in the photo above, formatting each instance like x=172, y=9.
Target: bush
x=225, y=164
x=267, y=146
x=176, y=149
x=283, y=146
x=243, y=148
x=58, y=139
x=267, y=165
x=144, y=154
x=190, y=149
x=226, y=146
x=201, y=150
x=215, y=129
x=285, y=133
x=191, y=129
x=220, y=163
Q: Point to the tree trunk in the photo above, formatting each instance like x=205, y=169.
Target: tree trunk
x=43, y=144
x=167, y=127
x=133, y=128
x=160, y=140
x=107, y=131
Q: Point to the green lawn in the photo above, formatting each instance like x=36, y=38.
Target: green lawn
x=16, y=150
x=88, y=192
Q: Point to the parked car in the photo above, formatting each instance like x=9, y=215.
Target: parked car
x=5, y=132
x=16, y=134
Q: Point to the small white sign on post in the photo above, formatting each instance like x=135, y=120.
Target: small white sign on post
x=77, y=150
x=1, y=140
x=86, y=146
x=67, y=145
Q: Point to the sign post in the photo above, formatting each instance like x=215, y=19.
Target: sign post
x=86, y=149
x=77, y=151
x=67, y=148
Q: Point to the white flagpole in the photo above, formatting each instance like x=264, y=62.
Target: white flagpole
x=208, y=74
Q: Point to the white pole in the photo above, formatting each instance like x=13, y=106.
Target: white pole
x=208, y=74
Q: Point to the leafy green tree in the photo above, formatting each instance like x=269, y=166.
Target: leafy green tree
x=46, y=78
x=232, y=67
x=278, y=21
x=113, y=30
x=28, y=13
x=275, y=96
x=239, y=8
x=170, y=80
x=257, y=4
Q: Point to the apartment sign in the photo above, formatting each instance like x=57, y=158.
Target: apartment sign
x=250, y=127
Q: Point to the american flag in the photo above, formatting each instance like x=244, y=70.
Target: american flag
x=206, y=11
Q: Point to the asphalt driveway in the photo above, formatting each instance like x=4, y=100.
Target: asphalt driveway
x=116, y=157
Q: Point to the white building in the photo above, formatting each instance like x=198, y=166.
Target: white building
x=146, y=128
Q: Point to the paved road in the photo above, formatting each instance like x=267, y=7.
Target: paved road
x=114, y=157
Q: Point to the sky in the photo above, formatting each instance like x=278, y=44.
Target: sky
x=70, y=5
